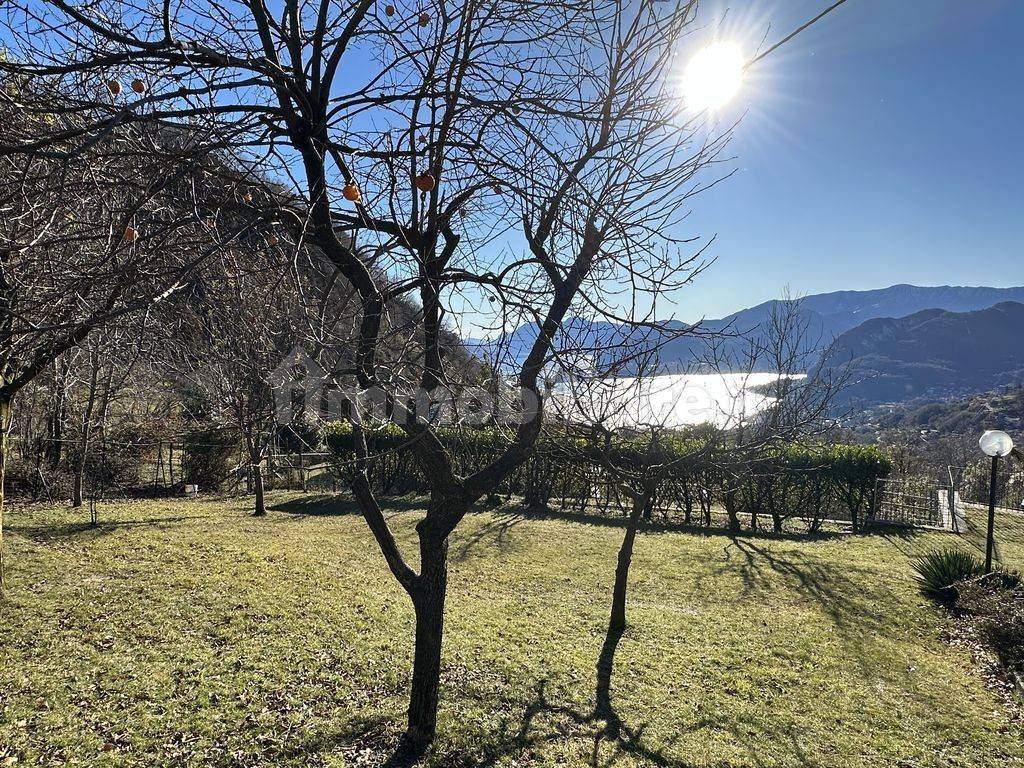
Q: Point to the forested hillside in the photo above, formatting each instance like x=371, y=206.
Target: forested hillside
x=1000, y=409
x=933, y=353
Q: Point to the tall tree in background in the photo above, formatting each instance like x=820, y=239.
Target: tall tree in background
x=243, y=317
x=526, y=161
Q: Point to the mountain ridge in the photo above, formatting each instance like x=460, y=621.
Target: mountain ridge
x=931, y=353
x=826, y=316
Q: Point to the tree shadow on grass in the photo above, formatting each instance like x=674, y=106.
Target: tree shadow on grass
x=852, y=596
x=663, y=526
x=833, y=586
x=607, y=730
x=363, y=737
x=908, y=541
x=333, y=505
x=494, y=532
x=44, y=533
x=542, y=722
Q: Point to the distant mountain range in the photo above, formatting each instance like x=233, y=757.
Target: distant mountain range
x=932, y=353
x=826, y=316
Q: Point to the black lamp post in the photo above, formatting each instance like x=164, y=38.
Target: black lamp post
x=997, y=445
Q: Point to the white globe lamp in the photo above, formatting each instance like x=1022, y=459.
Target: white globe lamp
x=996, y=444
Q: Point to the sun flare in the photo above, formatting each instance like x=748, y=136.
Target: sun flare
x=713, y=76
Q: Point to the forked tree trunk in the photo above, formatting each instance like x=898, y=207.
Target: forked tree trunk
x=428, y=596
x=617, y=621
x=256, y=476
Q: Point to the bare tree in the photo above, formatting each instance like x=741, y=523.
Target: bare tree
x=241, y=321
x=641, y=452
x=91, y=231
x=530, y=160
x=101, y=368
x=777, y=392
x=641, y=447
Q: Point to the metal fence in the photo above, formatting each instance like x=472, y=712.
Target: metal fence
x=160, y=468
x=974, y=485
x=132, y=469
x=916, y=502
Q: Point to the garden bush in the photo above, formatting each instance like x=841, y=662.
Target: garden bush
x=300, y=437
x=209, y=456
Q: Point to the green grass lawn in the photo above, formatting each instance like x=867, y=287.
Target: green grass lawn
x=187, y=633
x=1008, y=535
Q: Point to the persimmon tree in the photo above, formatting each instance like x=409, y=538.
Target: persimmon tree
x=510, y=162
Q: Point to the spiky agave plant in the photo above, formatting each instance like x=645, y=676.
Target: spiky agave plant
x=940, y=570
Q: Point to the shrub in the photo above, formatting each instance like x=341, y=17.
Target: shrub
x=208, y=457
x=941, y=570
x=997, y=602
x=300, y=437
x=817, y=481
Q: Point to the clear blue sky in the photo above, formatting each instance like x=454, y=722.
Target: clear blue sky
x=881, y=146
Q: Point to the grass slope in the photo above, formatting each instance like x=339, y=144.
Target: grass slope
x=186, y=633
x=1008, y=535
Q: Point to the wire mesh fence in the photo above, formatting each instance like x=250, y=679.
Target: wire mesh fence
x=975, y=482
x=1008, y=535
x=915, y=502
x=793, y=502
x=136, y=468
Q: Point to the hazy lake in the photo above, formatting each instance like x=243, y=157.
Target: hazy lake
x=671, y=400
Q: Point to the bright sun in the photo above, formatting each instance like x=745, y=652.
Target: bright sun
x=713, y=76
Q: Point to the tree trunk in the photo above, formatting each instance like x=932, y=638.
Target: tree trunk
x=5, y=417
x=779, y=504
x=730, y=510
x=79, y=483
x=854, y=507
x=54, y=447
x=255, y=448
x=428, y=595
x=617, y=621
x=687, y=503
x=649, y=508
x=83, y=447
x=257, y=478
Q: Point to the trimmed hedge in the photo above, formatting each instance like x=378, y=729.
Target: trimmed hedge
x=816, y=483
x=810, y=483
